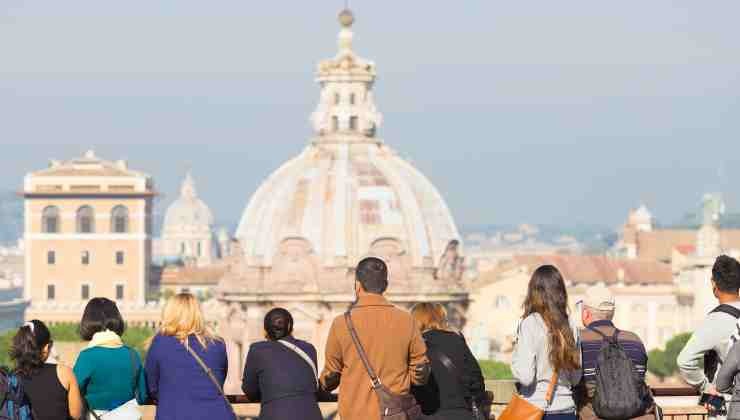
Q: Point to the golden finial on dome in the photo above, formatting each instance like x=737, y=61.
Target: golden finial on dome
x=346, y=18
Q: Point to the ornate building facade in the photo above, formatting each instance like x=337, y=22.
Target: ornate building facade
x=87, y=234
x=347, y=195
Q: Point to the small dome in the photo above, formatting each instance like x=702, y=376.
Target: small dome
x=188, y=212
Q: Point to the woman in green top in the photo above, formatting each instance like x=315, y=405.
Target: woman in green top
x=109, y=373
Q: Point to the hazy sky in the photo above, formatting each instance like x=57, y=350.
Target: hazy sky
x=550, y=112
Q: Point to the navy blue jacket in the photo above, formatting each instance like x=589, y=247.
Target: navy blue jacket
x=281, y=380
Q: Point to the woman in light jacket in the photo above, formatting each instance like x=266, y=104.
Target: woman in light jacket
x=109, y=373
x=177, y=381
x=546, y=344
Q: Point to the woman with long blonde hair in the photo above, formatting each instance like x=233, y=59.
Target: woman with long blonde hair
x=186, y=365
x=546, y=361
x=456, y=385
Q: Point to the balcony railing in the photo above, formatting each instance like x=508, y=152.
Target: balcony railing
x=678, y=403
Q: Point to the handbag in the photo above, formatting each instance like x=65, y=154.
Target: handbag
x=392, y=406
x=481, y=409
x=521, y=409
x=129, y=410
x=210, y=375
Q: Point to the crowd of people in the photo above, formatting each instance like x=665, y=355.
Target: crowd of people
x=390, y=363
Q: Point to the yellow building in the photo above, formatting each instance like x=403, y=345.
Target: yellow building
x=87, y=234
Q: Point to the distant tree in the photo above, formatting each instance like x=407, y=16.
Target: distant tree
x=662, y=363
x=492, y=369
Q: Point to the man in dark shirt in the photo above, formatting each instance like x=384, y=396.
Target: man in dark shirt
x=597, y=311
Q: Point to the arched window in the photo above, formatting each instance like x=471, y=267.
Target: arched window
x=50, y=220
x=85, y=220
x=353, y=123
x=336, y=99
x=335, y=123
x=119, y=219
x=351, y=98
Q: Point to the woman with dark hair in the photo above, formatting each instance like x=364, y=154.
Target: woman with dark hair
x=281, y=372
x=546, y=359
x=110, y=374
x=50, y=388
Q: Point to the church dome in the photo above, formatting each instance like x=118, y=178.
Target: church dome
x=347, y=195
x=188, y=212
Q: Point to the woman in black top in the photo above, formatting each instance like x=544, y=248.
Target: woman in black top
x=281, y=372
x=50, y=388
x=450, y=389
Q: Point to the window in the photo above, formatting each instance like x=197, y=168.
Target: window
x=200, y=249
x=353, y=123
x=502, y=302
x=119, y=257
x=182, y=248
x=336, y=99
x=119, y=219
x=335, y=123
x=51, y=292
x=50, y=220
x=85, y=292
x=119, y=292
x=85, y=257
x=85, y=220
x=351, y=98
x=51, y=257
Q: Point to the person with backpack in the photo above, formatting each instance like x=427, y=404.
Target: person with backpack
x=374, y=353
x=710, y=342
x=281, y=372
x=728, y=377
x=110, y=374
x=546, y=360
x=51, y=389
x=614, y=364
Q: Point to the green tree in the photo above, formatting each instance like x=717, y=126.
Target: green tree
x=495, y=370
x=662, y=363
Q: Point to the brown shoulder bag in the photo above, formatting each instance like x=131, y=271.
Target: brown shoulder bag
x=392, y=406
x=521, y=409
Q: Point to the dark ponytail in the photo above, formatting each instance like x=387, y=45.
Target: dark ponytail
x=278, y=324
x=28, y=347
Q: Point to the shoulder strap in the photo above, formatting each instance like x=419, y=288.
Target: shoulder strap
x=361, y=351
x=450, y=366
x=208, y=372
x=727, y=309
x=551, y=388
x=614, y=338
x=297, y=350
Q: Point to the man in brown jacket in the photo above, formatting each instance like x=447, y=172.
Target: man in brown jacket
x=390, y=338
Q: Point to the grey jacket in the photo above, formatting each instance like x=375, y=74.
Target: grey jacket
x=728, y=376
x=531, y=367
x=712, y=334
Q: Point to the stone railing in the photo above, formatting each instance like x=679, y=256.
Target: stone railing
x=678, y=403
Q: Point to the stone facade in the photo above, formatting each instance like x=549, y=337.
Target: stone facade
x=87, y=234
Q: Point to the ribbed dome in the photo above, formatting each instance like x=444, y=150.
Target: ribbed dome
x=346, y=196
x=188, y=212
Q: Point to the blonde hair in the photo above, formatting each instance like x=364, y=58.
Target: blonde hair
x=182, y=317
x=430, y=316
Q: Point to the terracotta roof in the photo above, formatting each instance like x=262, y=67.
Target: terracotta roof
x=585, y=269
x=658, y=245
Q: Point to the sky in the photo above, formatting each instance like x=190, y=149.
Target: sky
x=550, y=112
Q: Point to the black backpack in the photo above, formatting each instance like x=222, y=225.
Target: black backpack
x=13, y=403
x=620, y=392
